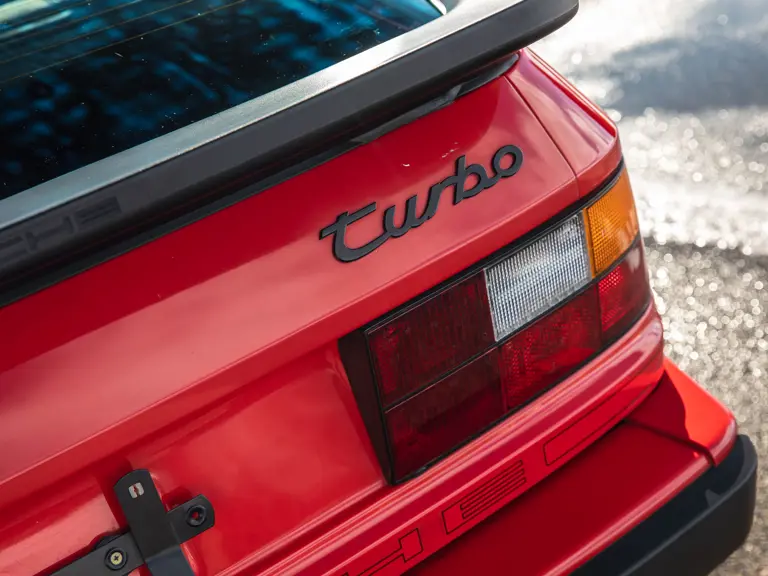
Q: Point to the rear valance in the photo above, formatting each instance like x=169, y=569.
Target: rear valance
x=115, y=203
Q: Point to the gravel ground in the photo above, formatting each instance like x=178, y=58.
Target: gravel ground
x=687, y=83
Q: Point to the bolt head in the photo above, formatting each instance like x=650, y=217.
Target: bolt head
x=115, y=559
x=196, y=516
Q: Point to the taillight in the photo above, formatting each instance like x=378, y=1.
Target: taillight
x=612, y=222
x=550, y=349
x=429, y=339
x=538, y=276
x=440, y=370
x=622, y=292
x=445, y=414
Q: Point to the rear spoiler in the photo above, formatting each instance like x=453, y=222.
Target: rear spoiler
x=63, y=226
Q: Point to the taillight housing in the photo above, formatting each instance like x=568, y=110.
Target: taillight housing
x=441, y=369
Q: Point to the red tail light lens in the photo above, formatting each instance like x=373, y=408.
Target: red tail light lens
x=427, y=341
x=445, y=414
x=624, y=292
x=552, y=348
x=431, y=376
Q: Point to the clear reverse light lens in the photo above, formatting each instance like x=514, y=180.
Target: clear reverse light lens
x=539, y=276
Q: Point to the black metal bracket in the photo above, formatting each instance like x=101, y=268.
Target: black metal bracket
x=155, y=535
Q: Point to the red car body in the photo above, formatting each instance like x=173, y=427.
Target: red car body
x=209, y=356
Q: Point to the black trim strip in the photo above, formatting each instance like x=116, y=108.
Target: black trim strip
x=157, y=180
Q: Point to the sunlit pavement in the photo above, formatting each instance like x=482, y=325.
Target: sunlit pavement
x=688, y=84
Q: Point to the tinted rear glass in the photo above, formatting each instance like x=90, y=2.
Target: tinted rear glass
x=81, y=80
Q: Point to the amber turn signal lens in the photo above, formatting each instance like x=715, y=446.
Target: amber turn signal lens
x=612, y=223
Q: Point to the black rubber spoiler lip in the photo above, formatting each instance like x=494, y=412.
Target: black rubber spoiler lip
x=52, y=219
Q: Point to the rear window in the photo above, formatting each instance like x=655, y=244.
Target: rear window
x=81, y=80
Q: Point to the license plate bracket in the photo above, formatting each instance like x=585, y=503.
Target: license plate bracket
x=155, y=535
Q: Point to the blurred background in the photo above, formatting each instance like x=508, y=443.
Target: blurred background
x=687, y=83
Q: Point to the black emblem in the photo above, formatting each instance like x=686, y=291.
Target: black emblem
x=346, y=254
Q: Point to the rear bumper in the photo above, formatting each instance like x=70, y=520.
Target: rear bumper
x=649, y=497
x=693, y=532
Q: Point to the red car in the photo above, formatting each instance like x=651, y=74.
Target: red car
x=333, y=288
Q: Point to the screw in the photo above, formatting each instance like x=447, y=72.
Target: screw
x=196, y=515
x=115, y=559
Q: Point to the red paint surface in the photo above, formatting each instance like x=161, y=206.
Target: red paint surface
x=100, y=360
x=664, y=444
x=209, y=356
x=361, y=539
x=683, y=410
x=586, y=137
x=578, y=511
x=599, y=419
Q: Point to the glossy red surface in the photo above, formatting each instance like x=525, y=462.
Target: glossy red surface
x=295, y=485
x=683, y=410
x=485, y=470
x=586, y=137
x=578, y=511
x=99, y=361
x=603, y=493
x=209, y=356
